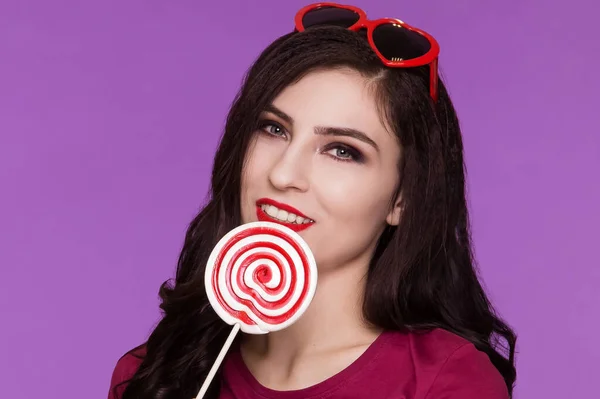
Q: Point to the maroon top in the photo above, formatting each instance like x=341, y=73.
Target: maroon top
x=434, y=365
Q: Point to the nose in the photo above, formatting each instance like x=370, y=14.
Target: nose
x=291, y=170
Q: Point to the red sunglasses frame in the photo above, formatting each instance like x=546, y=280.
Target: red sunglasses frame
x=430, y=58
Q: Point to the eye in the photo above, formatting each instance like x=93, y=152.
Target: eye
x=344, y=153
x=272, y=128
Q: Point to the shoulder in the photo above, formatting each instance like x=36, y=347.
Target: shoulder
x=452, y=367
x=125, y=368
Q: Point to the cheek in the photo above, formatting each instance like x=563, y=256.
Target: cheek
x=359, y=197
x=354, y=216
x=257, y=164
x=248, y=180
x=255, y=172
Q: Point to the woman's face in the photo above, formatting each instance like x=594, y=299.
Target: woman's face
x=324, y=164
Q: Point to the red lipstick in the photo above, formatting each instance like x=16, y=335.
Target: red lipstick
x=263, y=217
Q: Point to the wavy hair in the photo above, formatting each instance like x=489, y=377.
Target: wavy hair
x=422, y=275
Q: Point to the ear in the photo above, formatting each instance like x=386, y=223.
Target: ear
x=393, y=217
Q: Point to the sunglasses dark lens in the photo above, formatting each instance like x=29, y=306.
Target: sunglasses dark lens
x=396, y=43
x=330, y=16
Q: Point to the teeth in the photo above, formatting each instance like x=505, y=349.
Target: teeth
x=284, y=216
x=271, y=211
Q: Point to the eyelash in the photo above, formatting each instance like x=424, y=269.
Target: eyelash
x=355, y=155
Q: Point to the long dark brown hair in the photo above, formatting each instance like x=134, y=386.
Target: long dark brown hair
x=422, y=275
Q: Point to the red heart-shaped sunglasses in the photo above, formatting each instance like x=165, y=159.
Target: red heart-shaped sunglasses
x=396, y=43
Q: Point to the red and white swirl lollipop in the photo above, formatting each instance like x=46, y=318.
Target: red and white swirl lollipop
x=260, y=277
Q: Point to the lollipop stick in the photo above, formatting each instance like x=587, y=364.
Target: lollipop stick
x=217, y=363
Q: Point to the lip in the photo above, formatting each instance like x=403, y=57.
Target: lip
x=263, y=217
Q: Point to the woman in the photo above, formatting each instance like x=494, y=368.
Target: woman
x=336, y=130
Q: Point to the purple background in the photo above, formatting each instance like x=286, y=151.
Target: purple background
x=109, y=115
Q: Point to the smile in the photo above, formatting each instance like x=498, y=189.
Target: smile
x=268, y=210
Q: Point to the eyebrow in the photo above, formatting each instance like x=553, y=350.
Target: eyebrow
x=326, y=130
x=279, y=113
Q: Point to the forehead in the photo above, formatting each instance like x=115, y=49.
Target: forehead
x=340, y=97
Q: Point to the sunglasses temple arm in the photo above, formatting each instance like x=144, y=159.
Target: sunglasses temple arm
x=433, y=79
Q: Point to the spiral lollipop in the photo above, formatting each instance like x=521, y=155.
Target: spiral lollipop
x=260, y=277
